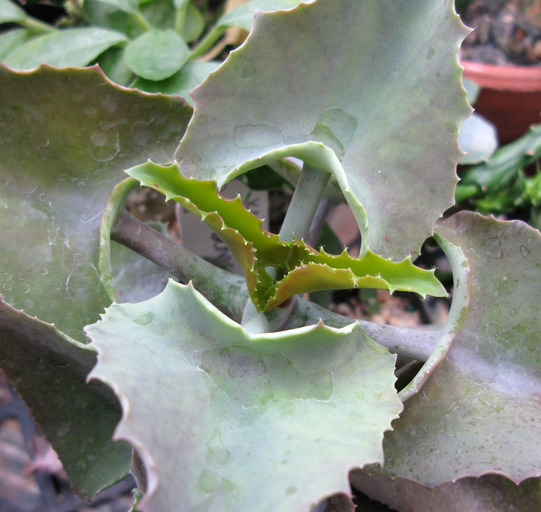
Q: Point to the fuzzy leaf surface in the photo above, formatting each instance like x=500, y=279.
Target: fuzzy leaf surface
x=276, y=419
x=299, y=268
x=70, y=47
x=383, y=118
x=49, y=370
x=63, y=151
x=480, y=411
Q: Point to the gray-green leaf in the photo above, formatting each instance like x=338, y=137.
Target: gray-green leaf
x=275, y=419
x=49, y=370
x=66, y=137
x=490, y=493
x=480, y=410
x=377, y=102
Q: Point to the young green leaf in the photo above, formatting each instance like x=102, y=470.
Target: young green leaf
x=157, y=54
x=298, y=267
x=275, y=419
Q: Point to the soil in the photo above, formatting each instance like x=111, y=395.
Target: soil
x=506, y=32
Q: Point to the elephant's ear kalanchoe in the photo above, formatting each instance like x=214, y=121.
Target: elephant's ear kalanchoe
x=271, y=408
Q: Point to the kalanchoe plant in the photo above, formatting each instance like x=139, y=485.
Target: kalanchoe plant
x=234, y=393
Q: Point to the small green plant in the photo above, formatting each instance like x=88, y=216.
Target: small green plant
x=153, y=45
x=501, y=185
x=233, y=393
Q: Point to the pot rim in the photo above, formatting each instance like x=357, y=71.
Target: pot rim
x=509, y=78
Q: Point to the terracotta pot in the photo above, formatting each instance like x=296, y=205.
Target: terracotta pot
x=510, y=96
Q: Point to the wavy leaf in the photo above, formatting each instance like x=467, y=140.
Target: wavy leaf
x=383, y=118
x=490, y=493
x=275, y=419
x=480, y=411
x=298, y=267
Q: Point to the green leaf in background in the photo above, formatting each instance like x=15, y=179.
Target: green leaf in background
x=157, y=54
x=298, y=267
x=194, y=23
x=160, y=14
x=105, y=15
x=506, y=162
x=113, y=64
x=490, y=493
x=275, y=419
x=12, y=39
x=69, y=47
x=129, y=6
x=481, y=406
x=383, y=118
x=65, y=138
x=49, y=370
x=182, y=82
x=10, y=12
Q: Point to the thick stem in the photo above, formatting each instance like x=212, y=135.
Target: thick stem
x=304, y=203
x=225, y=290
x=297, y=222
x=180, y=20
x=37, y=26
x=416, y=344
x=319, y=218
x=207, y=42
x=141, y=21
